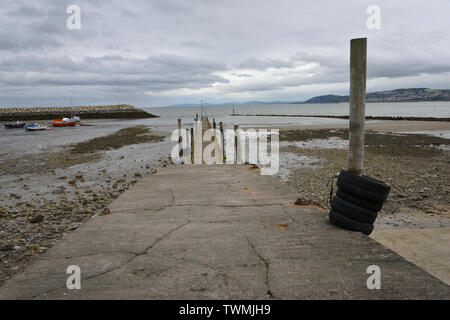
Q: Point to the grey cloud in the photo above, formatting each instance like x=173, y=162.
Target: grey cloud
x=130, y=48
x=156, y=73
x=263, y=64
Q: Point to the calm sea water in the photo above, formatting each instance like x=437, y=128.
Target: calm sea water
x=15, y=142
x=222, y=113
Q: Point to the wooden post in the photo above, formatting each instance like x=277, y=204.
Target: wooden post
x=237, y=142
x=358, y=57
x=223, y=140
x=192, y=145
x=180, y=138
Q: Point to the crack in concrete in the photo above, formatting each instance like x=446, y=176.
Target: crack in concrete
x=134, y=255
x=266, y=264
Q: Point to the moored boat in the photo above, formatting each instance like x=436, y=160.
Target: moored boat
x=15, y=125
x=36, y=127
x=65, y=122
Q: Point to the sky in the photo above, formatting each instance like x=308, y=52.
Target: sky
x=153, y=53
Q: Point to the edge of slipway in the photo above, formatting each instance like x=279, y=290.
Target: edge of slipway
x=218, y=232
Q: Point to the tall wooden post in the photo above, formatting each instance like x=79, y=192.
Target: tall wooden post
x=358, y=57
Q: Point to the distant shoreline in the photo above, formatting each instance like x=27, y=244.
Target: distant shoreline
x=346, y=117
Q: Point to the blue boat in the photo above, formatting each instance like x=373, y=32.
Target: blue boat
x=14, y=125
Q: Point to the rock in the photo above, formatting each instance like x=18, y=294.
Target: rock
x=73, y=227
x=37, y=218
x=14, y=269
x=6, y=247
x=137, y=175
x=105, y=212
x=42, y=249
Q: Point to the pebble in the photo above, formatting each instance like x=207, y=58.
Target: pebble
x=6, y=247
x=37, y=218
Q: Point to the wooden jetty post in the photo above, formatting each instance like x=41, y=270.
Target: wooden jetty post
x=180, y=139
x=192, y=145
x=237, y=143
x=223, y=140
x=358, y=57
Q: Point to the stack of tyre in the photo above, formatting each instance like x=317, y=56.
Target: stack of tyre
x=357, y=201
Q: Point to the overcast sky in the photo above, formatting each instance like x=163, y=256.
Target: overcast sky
x=161, y=52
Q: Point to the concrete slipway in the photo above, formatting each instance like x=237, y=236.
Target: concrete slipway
x=218, y=232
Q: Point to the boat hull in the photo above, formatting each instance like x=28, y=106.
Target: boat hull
x=14, y=125
x=37, y=129
x=60, y=123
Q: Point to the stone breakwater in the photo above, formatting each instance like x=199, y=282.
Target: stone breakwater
x=84, y=112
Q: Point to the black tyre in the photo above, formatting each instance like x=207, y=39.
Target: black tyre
x=341, y=193
x=363, y=186
x=353, y=211
x=349, y=224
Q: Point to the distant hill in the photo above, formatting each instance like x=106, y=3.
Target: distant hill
x=329, y=98
x=397, y=95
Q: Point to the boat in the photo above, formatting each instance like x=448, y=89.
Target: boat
x=15, y=125
x=65, y=122
x=36, y=127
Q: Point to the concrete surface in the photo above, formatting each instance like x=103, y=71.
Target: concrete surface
x=218, y=232
x=426, y=248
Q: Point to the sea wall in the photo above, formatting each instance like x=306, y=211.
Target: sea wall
x=123, y=111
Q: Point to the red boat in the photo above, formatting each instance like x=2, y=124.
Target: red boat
x=63, y=123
